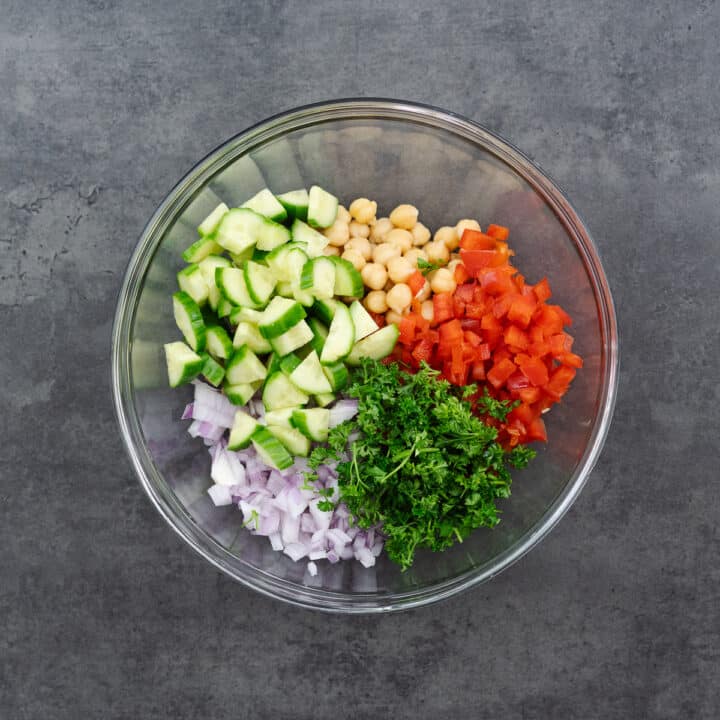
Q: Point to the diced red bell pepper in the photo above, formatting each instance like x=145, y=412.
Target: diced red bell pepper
x=498, y=232
x=542, y=290
x=521, y=310
x=407, y=329
x=500, y=372
x=476, y=240
x=442, y=307
x=534, y=370
x=416, y=282
x=515, y=337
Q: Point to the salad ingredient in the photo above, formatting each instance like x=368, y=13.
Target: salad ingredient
x=363, y=210
x=183, y=365
x=322, y=208
x=424, y=466
x=295, y=203
x=189, y=320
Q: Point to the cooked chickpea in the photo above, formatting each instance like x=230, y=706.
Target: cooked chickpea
x=363, y=210
x=380, y=229
x=399, y=297
x=354, y=257
x=360, y=245
x=427, y=310
x=338, y=233
x=402, y=238
x=420, y=234
x=392, y=317
x=359, y=229
x=374, y=276
x=399, y=269
x=382, y=253
x=404, y=216
x=454, y=262
x=437, y=252
x=424, y=293
x=464, y=225
x=343, y=214
x=447, y=236
x=376, y=301
x=443, y=281
x=331, y=250
x=413, y=254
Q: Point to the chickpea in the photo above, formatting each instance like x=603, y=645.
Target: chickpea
x=447, y=236
x=392, y=317
x=338, y=233
x=404, y=216
x=454, y=262
x=420, y=234
x=374, y=276
x=359, y=230
x=360, y=245
x=399, y=298
x=443, y=281
x=376, y=301
x=424, y=293
x=464, y=225
x=402, y=238
x=399, y=269
x=343, y=214
x=437, y=252
x=380, y=229
x=354, y=257
x=427, y=310
x=331, y=250
x=413, y=254
x=383, y=253
x=363, y=210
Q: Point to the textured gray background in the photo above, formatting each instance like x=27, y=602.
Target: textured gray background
x=104, y=613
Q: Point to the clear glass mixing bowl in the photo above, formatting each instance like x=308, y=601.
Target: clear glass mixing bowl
x=393, y=152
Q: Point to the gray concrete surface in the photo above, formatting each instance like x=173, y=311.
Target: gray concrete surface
x=104, y=613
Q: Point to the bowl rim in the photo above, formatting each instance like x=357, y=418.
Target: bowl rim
x=243, y=142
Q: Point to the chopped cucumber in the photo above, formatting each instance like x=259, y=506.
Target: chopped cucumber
x=259, y=282
x=340, y=338
x=259, y=256
x=240, y=394
x=239, y=258
x=279, y=316
x=295, y=203
x=200, y=249
x=324, y=310
x=322, y=208
x=224, y=307
x=212, y=371
x=231, y=282
x=207, y=267
x=320, y=333
x=273, y=364
x=218, y=342
x=239, y=229
x=270, y=449
x=265, y=203
x=289, y=363
x=284, y=266
x=190, y=280
x=243, y=314
x=280, y=393
x=318, y=277
x=190, y=321
x=348, y=281
x=297, y=336
x=324, y=399
x=280, y=417
x=309, y=376
x=247, y=334
x=210, y=224
x=376, y=346
x=271, y=235
x=244, y=367
x=183, y=365
x=314, y=241
x=294, y=441
x=363, y=322
x=243, y=427
x=284, y=289
x=314, y=423
x=337, y=375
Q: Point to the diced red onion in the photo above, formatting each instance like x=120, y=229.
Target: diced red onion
x=276, y=542
x=289, y=529
x=187, y=412
x=365, y=557
x=333, y=557
x=377, y=547
x=297, y=551
x=307, y=524
x=312, y=568
x=220, y=495
x=206, y=430
x=343, y=410
x=322, y=517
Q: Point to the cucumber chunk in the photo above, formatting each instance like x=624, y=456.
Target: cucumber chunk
x=313, y=241
x=218, y=342
x=295, y=203
x=239, y=229
x=322, y=208
x=210, y=224
x=270, y=449
x=200, y=249
x=265, y=203
x=280, y=393
x=297, y=336
x=314, y=423
x=289, y=363
x=348, y=281
x=212, y=371
x=340, y=338
x=244, y=314
x=294, y=441
x=363, y=322
x=337, y=375
x=183, y=365
x=231, y=282
x=280, y=417
x=320, y=333
x=244, y=367
x=279, y=316
x=242, y=430
x=190, y=280
x=247, y=334
x=324, y=399
x=309, y=376
x=259, y=282
x=376, y=346
x=240, y=394
x=324, y=310
x=189, y=320
x=318, y=277
x=207, y=267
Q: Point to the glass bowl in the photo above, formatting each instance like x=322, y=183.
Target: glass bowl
x=393, y=152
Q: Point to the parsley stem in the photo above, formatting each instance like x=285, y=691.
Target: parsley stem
x=401, y=465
